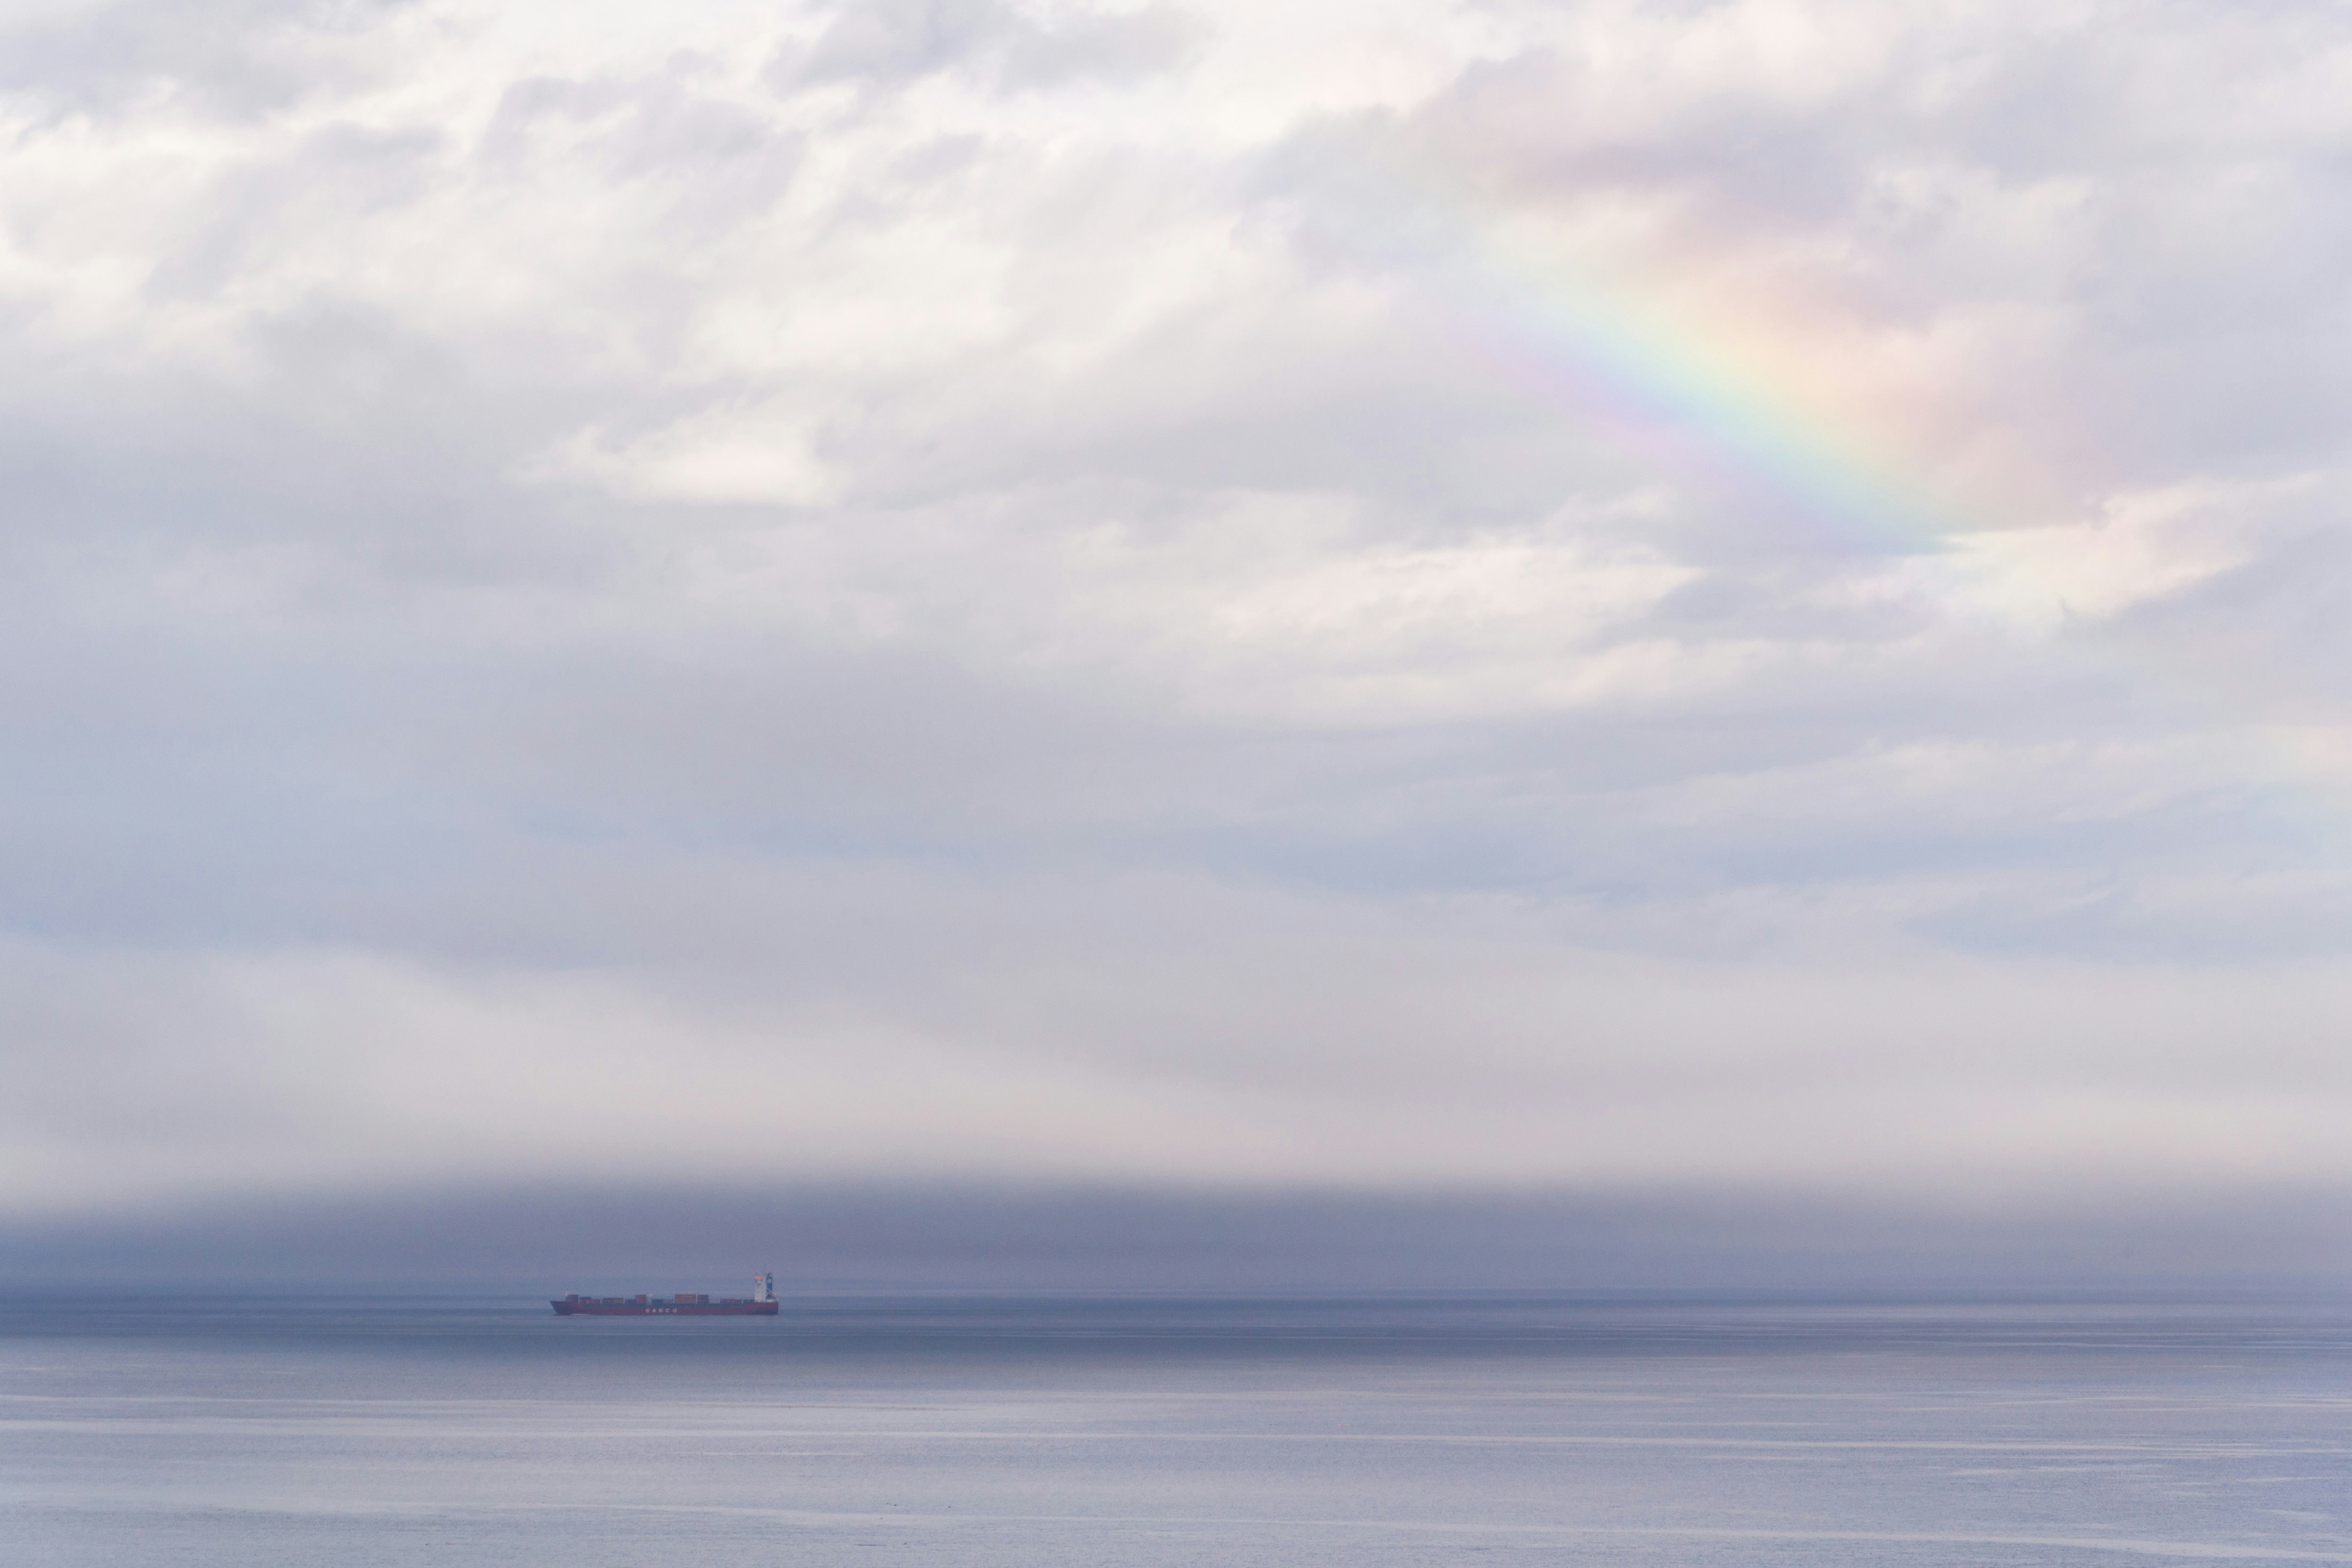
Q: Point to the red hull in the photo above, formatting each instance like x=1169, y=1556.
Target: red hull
x=665, y=1308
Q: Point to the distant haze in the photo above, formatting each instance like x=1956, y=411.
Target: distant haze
x=1028, y=1239
x=1601, y=605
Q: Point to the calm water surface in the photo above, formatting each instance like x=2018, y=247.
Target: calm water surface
x=1295, y=1433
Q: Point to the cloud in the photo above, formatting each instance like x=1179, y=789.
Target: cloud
x=1593, y=596
x=755, y=454
x=892, y=43
x=238, y=62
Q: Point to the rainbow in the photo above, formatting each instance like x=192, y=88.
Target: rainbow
x=1772, y=397
x=1753, y=391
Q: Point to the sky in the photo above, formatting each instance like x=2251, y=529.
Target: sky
x=1196, y=597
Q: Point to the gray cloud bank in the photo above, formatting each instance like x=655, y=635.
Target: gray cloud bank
x=1592, y=596
x=984, y=1238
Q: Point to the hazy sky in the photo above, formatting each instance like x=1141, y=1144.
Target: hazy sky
x=1393, y=594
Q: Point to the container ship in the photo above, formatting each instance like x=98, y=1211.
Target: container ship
x=760, y=1303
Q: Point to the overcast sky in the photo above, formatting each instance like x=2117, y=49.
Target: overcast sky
x=1384, y=594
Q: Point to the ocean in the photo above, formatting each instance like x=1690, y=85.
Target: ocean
x=1296, y=1432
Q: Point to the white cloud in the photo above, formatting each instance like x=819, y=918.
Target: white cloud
x=756, y=454
x=2143, y=545
x=1748, y=590
x=1219, y=1039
